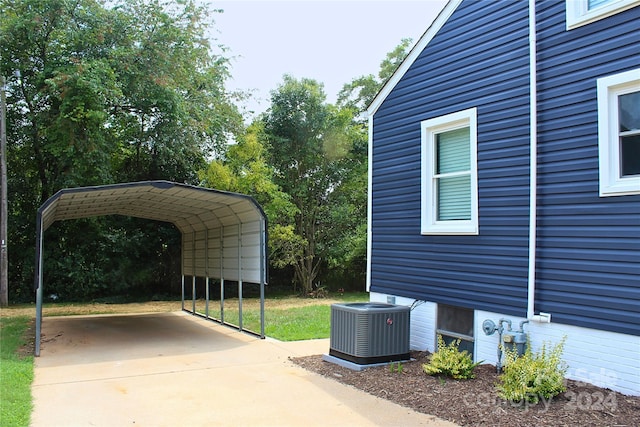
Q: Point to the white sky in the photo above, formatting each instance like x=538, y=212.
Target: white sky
x=327, y=40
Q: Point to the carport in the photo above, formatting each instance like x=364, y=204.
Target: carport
x=223, y=234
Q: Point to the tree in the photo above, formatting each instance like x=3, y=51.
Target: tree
x=309, y=143
x=101, y=93
x=174, y=110
x=244, y=169
x=346, y=255
x=361, y=91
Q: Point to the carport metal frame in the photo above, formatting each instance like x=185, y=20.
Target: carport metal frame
x=224, y=235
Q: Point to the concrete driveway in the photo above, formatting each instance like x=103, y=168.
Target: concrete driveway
x=174, y=369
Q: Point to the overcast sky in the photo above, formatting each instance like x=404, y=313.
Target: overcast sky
x=329, y=41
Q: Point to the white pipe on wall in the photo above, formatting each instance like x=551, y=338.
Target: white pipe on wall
x=369, y=201
x=533, y=165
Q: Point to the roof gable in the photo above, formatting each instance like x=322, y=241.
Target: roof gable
x=417, y=49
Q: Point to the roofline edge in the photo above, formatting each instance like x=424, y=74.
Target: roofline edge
x=417, y=49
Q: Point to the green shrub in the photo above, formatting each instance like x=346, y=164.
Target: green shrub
x=450, y=361
x=533, y=376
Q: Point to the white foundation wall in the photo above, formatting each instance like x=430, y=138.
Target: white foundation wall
x=605, y=359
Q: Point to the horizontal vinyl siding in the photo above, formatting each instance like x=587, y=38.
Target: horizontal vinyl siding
x=478, y=59
x=588, y=269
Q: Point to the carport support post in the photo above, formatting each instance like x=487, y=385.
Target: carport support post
x=206, y=273
x=222, y=299
x=240, y=276
x=240, y=304
x=183, y=291
x=263, y=274
x=193, y=293
x=38, y=283
x=193, y=278
x=222, y=274
x=206, y=304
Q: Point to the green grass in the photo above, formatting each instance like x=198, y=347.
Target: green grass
x=298, y=323
x=285, y=324
x=291, y=324
x=16, y=373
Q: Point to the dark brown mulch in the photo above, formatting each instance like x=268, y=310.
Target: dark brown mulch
x=476, y=403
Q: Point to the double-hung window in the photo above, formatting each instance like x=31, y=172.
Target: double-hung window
x=619, y=133
x=582, y=12
x=449, y=174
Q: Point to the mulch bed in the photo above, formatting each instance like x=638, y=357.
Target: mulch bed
x=476, y=403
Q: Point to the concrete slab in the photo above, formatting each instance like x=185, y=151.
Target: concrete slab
x=173, y=369
x=354, y=366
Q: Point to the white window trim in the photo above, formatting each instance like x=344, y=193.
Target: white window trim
x=609, y=88
x=429, y=129
x=578, y=14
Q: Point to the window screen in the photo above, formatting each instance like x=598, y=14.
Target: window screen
x=456, y=323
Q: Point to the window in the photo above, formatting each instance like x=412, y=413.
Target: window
x=456, y=323
x=449, y=174
x=582, y=12
x=619, y=133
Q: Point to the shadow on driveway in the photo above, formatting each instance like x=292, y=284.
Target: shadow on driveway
x=102, y=338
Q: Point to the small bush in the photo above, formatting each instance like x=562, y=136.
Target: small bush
x=533, y=376
x=396, y=367
x=450, y=361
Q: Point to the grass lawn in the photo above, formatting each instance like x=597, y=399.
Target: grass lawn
x=304, y=322
x=16, y=373
x=287, y=318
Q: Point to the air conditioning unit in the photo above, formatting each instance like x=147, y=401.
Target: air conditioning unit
x=367, y=333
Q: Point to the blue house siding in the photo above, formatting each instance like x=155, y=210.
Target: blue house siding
x=588, y=247
x=588, y=270
x=479, y=58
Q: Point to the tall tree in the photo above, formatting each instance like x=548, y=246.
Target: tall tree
x=244, y=169
x=346, y=256
x=308, y=142
x=175, y=108
x=346, y=216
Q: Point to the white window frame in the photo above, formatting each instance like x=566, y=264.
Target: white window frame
x=429, y=129
x=578, y=13
x=609, y=88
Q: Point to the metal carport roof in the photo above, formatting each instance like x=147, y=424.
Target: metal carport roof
x=223, y=234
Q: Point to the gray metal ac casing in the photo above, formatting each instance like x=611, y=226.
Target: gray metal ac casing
x=370, y=332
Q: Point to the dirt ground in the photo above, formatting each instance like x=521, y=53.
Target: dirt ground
x=476, y=403
x=91, y=308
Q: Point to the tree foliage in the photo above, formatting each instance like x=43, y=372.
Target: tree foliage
x=311, y=146
x=245, y=169
x=361, y=91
